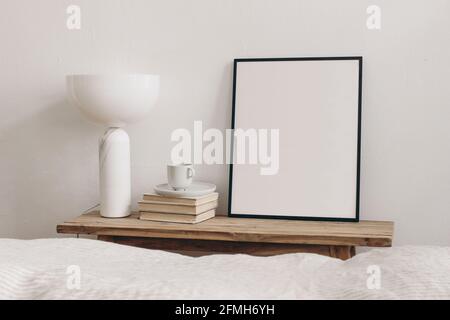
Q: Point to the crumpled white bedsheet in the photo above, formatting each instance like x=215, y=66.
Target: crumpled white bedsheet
x=43, y=269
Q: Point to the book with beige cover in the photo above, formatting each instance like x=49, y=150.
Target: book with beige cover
x=176, y=208
x=193, y=201
x=179, y=210
x=178, y=218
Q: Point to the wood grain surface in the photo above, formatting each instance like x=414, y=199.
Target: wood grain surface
x=363, y=233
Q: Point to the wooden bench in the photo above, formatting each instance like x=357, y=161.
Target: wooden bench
x=261, y=237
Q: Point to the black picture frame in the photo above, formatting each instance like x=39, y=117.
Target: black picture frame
x=358, y=160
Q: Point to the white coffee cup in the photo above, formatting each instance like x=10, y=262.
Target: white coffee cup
x=179, y=176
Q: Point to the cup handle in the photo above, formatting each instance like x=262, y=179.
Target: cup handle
x=190, y=173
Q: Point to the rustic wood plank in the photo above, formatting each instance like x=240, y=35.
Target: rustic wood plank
x=364, y=233
x=342, y=252
x=106, y=238
x=207, y=247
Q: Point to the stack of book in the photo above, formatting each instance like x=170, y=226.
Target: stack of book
x=181, y=210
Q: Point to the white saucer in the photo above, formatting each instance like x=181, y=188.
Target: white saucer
x=196, y=189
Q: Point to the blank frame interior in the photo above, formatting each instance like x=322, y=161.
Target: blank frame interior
x=315, y=103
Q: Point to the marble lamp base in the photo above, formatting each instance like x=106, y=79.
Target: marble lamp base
x=115, y=174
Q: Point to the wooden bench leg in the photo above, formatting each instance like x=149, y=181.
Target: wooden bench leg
x=342, y=252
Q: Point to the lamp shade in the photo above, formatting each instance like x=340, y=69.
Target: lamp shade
x=113, y=100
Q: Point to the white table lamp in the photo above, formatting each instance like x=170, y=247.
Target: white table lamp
x=114, y=101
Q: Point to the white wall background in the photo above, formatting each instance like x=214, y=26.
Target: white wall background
x=48, y=152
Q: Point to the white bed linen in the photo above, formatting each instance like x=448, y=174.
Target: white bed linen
x=37, y=269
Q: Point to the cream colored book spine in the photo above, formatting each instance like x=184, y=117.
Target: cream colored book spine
x=177, y=218
x=176, y=208
x=193, y=201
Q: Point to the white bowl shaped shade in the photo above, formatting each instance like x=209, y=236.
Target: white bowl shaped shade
x=114, y=100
